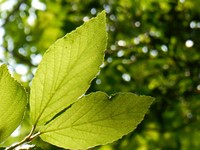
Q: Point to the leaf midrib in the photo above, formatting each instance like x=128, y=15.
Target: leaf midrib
x=89, y=122
x=52, y=95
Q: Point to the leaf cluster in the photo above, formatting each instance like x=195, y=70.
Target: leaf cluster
x=60, y=112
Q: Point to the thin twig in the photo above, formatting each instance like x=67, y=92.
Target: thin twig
x=27, y=139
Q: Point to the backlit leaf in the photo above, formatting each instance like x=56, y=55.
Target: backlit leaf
x=67, y=69
x=13, y=101
x=96, y=119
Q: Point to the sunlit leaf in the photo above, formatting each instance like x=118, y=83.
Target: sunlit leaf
x=96, y=119
x=13, y=101
x=67, y=69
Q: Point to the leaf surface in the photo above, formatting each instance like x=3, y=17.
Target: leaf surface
x=96, y=119
x=67, y=69
x=13, y=101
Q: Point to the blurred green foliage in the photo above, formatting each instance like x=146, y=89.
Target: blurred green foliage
x=153, y=50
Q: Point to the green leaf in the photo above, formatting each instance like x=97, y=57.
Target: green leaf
x=96, y=119
x=67, y=69
x=13, y=101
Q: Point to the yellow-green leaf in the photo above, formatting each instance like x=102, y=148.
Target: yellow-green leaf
x=13, y=101
x=96, y=119
x=67, y=69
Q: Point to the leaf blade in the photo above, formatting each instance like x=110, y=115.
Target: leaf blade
x=96, y=120
x=67, y=69
x=13, y=101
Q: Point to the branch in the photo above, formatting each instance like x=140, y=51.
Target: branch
x=28, y=138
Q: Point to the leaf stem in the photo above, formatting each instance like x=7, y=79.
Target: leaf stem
x=28, y=138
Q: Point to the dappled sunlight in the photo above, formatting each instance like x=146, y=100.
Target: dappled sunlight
x=153, y=49
x=189, y=43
